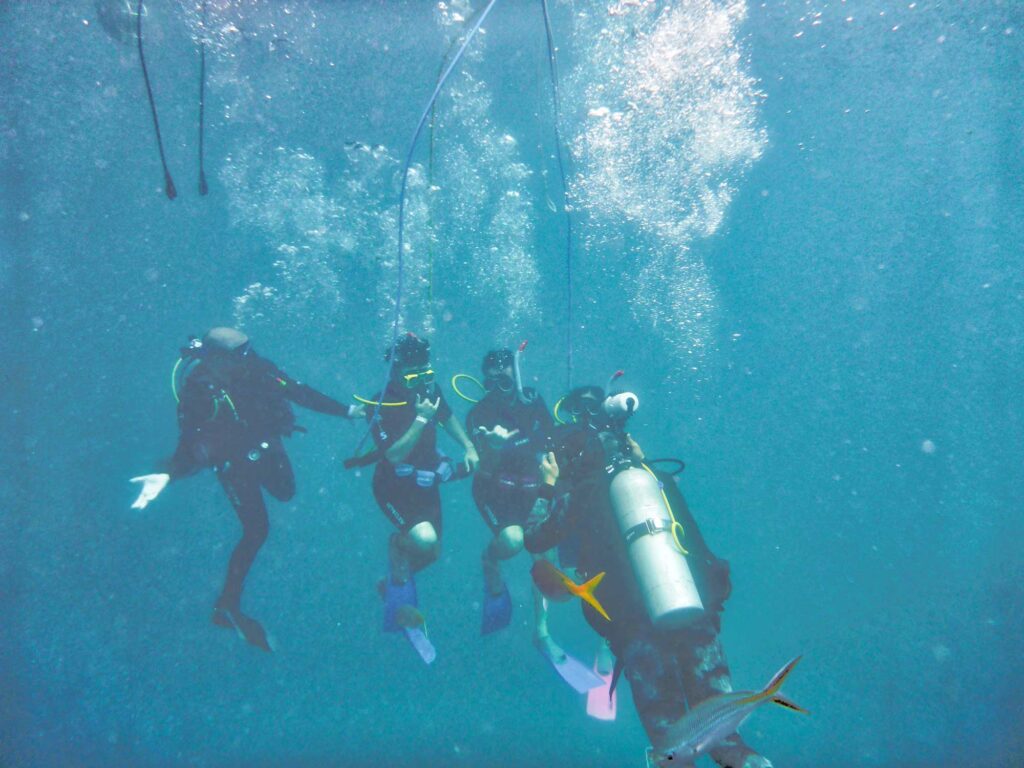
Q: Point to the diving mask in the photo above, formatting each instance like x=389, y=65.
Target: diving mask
x=499, y=381
x=416, y=379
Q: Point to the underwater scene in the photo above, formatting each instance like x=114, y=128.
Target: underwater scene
x=512, y=383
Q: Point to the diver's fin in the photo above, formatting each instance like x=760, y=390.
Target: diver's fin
x=574, y=672
x=497, y=612
x=395, y=596
x=247, y=628
x=616, y=674
x=421, y=642
x=601, y=700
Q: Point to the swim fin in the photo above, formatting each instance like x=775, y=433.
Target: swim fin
x=601, y=700
x=247, y=628
x=497, y=612
x=395, y=596
x=574, y=672
x=421, y=642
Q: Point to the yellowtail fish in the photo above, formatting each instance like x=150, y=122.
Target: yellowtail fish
x=555, y=585
x=714, y=719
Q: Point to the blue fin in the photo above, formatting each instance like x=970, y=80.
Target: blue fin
x=497, y=612
x=418, y=637
x=395, y=596
x=578, y=675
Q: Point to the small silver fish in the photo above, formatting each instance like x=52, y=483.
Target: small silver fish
x=715, y=719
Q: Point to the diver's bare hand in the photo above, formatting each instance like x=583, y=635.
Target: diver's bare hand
x=497, y=436
x=634, y=446
x=549, y=468
x=426, y=408
x=152, y=485
x=471, y=459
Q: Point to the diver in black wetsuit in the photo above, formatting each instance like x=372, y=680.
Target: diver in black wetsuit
x=508, y=426
x=410, y=469
x=669, y=670
x=234, y=407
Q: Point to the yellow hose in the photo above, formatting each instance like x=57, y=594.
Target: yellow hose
x=216, y=401
x=174, y=375
x=458, y=392
x=554, y=412
x=364, y=401
x=677, y=527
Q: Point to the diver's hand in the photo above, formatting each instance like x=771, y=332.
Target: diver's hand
x=497, y=436
x=634, y=446
x=151, y=487
x=426, y=408
x=357, y=411
x=471, y=460
x=549, y=468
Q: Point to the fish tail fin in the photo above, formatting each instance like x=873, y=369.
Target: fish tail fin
x=586, y=592
x=776, y=682
x=770, y=691
x=782, y=701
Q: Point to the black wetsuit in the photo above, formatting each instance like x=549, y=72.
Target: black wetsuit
x=505, y=487
x=234, y=424
x=407, y=491
x=668, y=670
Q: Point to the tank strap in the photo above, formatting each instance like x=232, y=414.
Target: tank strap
x=648, y=527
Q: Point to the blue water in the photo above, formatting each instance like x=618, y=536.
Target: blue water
x=798, y=230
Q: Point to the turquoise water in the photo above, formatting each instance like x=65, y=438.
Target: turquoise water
x=798, y=230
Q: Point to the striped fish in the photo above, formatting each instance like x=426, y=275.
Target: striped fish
x=714, y=719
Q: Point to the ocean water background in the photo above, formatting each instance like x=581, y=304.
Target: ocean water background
x=798, y=230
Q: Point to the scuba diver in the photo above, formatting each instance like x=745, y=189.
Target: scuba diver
x=508, y=426
x=664, y=590
x=409, y=471
x=233, y=409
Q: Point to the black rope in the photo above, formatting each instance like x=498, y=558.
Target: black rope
x=203, y=188
x=396, y=320
x=168, y=181
x=565, y=193
x=679, y=465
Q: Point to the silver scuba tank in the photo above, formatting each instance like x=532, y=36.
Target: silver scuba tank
x=670, y=594
x=666, y=583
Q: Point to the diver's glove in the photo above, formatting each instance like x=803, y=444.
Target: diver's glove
x=151, y=487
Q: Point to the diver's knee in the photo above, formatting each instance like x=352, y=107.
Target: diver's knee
x=508, y=542
x=423, y=538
